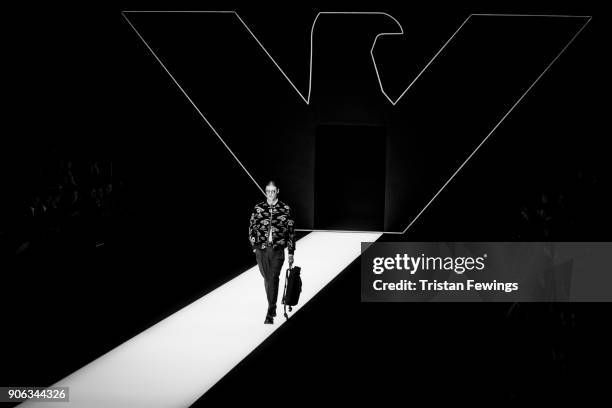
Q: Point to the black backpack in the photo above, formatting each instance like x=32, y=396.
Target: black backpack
x=293, y=288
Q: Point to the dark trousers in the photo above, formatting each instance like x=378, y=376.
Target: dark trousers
x=270, y=262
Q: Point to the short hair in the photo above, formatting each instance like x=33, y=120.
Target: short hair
x=272, y=183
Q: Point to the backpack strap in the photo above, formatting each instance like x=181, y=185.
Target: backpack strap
x=285, y=294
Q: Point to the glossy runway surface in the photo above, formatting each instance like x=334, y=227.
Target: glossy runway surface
x=176, y=361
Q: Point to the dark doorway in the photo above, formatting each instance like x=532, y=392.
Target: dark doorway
x=350, y=163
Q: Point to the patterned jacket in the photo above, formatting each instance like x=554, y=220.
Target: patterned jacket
x=279, y=218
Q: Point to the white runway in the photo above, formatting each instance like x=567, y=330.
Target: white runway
x=176, y=361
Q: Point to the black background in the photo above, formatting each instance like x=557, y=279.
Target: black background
x=80, y=84
x=350, y=167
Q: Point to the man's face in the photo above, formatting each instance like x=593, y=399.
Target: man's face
x=271, y=192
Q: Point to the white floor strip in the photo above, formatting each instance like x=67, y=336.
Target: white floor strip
x=176, y=361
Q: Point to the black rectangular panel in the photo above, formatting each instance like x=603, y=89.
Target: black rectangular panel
x=349, y=191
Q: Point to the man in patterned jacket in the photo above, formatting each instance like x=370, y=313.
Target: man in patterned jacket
x=270, y=232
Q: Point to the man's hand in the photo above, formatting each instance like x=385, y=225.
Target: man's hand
x=290, y=260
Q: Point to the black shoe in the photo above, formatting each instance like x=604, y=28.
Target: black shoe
x=269, y=320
